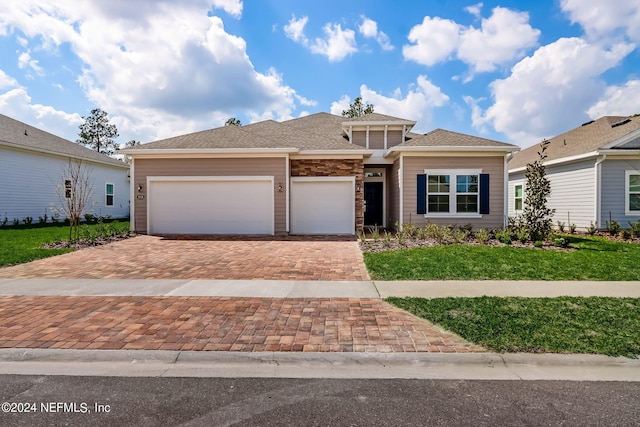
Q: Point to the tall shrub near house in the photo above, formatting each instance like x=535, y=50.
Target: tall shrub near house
x=536, y=216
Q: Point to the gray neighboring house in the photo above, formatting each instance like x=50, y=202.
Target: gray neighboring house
x=32, y=164
x=594, y=171
x=319, y=174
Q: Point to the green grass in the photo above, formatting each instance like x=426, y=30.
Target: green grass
x=596, y=258
x=22, y=244
x=609, y=326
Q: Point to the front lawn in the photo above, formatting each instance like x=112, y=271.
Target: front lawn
x=23, y=244
x=591, y=258
x=609, y=326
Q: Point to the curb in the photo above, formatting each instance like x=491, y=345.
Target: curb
x=469, y=366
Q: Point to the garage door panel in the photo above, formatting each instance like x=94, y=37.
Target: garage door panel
x=322, y=207
x=211, y=207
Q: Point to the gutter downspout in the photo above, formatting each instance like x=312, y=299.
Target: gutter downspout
x=598, y=196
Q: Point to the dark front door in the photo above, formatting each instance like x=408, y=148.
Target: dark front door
x=373, y=198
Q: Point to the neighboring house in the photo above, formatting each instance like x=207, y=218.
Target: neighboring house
x=32, y=166
x=594, y=172
x=319, y=174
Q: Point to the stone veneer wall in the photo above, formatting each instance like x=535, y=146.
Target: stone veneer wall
x=336, y=167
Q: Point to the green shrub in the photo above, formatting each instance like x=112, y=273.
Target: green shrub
x=522, y=234
x=538, y=243
x=504, y=236
x=561, y=226
x=482, y=236
x=635, y=228
x=560, y=242
x=613, y=227
x=592, y=229
x=572, y=229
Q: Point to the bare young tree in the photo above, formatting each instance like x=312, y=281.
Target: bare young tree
x=74, y=193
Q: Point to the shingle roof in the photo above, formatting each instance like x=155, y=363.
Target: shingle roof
x=320, y=131
x=446, y=138
x=29, y=137
x=584, y=139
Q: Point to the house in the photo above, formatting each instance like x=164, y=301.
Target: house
x=32, y=169
x=594, y=172
x=319, y=174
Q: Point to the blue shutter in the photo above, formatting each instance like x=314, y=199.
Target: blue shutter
x=484, y=193
x=422, y=194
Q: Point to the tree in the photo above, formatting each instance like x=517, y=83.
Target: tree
x=97, y=133
x=233, y=122
x=357, y=109
x=132, y=143
x=536, y=216
x=74, y=193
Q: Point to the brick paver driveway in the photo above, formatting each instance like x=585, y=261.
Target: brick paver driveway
x=153, y=257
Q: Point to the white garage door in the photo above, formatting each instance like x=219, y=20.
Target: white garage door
x=225, y=205
x=322, y=205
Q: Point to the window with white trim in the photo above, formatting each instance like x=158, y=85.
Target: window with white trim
x=109, y=194
x=632, y=192
x=518, y=197
x=453, y=192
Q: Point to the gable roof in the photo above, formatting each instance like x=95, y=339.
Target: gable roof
x=447, y=138
x=588, y=138
x=14, y=133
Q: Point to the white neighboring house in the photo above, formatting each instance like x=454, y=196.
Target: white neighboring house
x=32, y=165
x=594, y=172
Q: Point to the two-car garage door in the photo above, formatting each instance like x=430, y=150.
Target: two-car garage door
x=211, y=205
x=245, y=205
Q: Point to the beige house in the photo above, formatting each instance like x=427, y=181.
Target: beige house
x=594, y=171
x=319, y=174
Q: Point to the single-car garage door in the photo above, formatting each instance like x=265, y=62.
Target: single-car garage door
x=322, y=205
x=210, y=205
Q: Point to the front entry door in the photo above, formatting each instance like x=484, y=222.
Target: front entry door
x=373, y=199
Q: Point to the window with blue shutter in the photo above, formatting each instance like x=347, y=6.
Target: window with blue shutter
x=422, y=194
x=484, y=193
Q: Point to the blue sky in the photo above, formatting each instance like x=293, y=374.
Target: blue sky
x=514, y=71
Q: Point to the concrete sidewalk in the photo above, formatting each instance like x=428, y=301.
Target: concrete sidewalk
x=314, y=289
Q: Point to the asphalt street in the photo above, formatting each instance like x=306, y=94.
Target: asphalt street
x=124, y=401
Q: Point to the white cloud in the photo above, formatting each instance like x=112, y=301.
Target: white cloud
x=501, y=39
x=475, y=10
x=369, y=29
x=337, y=44
x=16, y=103
x=618, y=101
x=434, y=41
x=600, y=18
x=232, y=7
x=417, y=104
x=175, y=70
x=26, y=61
x=504, y=36
x=547, y=92
x=295, y=29
x=7, y=81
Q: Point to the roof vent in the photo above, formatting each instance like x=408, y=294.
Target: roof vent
x=620, y=123
x=588, y=123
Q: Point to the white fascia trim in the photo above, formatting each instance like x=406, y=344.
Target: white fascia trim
x=175, y=152
x=561, y=161
x=623, y=140
x=620, y=152
x=449, y=149
x=380, y=124
x=335, y=152
x=124, y=165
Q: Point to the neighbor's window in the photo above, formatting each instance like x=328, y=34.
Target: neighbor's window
x=517, y=197
x=633, y=192
x=453, y=193
x=109, y=193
